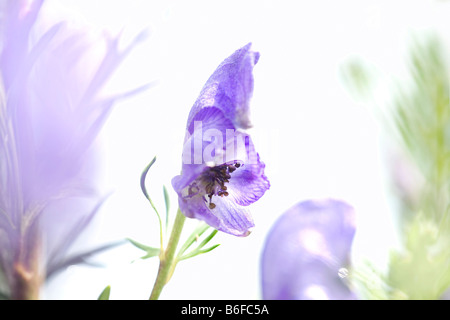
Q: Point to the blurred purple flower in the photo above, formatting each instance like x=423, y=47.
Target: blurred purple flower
x=225, y=175
x=51, y=113
x=307, y=252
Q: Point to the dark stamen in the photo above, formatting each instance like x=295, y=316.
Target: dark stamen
x=214, y=180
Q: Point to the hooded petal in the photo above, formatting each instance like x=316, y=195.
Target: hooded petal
x=230, y=88
x=305, y=250
x=211, y=121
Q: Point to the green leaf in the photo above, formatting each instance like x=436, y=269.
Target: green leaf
x=151, y=252
x=167, y=202
x=420, y=270
x=105, y=294
x=196, y=252
x=207, y=239
x=369, y=282
x=143, y=177
x=358, y=78
x=193, y=237
x=145, y=192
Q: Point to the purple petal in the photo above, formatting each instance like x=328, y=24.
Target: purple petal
x=228, y=216
x=305, y=250
x=230, y=88
x=249, y=183
x=234, y=219
x=211, y=118
x=20, y=17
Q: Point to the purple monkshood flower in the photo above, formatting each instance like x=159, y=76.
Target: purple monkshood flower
x=307, y=252
x=222, y=173
x=51, y=111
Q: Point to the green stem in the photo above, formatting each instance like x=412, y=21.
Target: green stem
x=167, y=257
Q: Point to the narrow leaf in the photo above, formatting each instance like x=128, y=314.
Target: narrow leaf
x=193, y=237
x=144, y=176
x=79, y=258
x=105, y=294
x=207, y=239
x=73, y=234
x=167, y=202
x=196, y=252
x=151, y=252
x=145, y=192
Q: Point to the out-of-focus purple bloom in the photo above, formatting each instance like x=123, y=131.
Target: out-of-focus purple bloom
x=51, y=112
x=222, y=173
x=307, y=252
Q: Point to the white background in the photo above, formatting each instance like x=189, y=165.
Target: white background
x=315, y=139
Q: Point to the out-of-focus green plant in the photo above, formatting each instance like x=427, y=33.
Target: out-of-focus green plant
x=419, y=119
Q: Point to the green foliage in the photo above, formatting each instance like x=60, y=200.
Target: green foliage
x=358, y=78
x=149, y=251
x=370, y=283
x=147, y=196
x=193, y=238
x=422, y=116
x=105, y=294
x=201, y=228
x=421, y=271
x=144, y=188
x=167, y=254
x=199, y=249
x=167, y=203
x=419, y=119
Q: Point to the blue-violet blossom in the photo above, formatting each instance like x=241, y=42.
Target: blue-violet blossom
x=307, y=252
x=51, y=112
x=221, y=172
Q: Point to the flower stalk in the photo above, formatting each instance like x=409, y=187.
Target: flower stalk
x=167, y=257
x=27, y=275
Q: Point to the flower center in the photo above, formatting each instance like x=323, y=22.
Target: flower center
x=214, y=180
